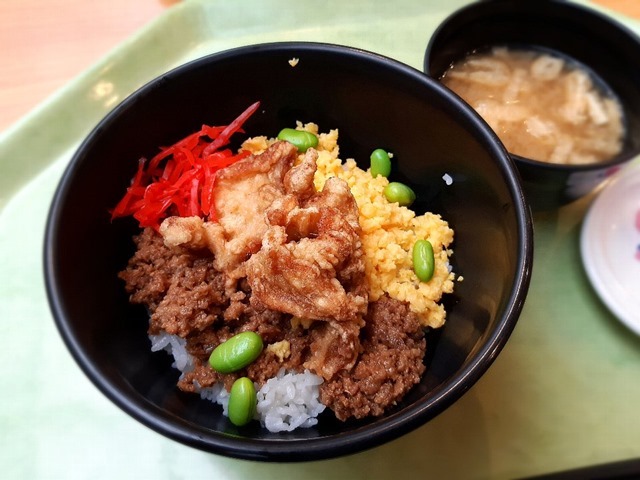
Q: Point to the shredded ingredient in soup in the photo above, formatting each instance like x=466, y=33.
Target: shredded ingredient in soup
x=541, y=106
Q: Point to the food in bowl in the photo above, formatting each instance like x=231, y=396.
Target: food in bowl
x=542, y=105
x=282, y=279
x=574, y=32
x=333, y=86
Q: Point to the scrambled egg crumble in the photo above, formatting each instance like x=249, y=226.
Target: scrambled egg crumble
x=281, y=349
x=389, y=232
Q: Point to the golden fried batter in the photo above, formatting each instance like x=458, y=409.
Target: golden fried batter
x=299, y=249
x=242, y=193
x=311, y=261
x=335, y=346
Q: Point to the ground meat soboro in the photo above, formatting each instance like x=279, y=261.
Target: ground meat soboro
x=389, y=366
x=187, y=296
x=180, y=288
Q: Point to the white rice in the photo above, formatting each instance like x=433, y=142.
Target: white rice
x=286, y=402
x=216, y=394
x=289, y=401
x=176, y=346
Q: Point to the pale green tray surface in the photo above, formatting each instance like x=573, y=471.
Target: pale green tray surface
x=564, y=392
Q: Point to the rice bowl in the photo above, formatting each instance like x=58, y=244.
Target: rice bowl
x=483, y=204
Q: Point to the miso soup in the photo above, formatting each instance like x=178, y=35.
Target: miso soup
x=541, y=105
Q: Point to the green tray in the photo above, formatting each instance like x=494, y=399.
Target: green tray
x=564, y=393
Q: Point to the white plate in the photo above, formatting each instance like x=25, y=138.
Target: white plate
x=610, y=245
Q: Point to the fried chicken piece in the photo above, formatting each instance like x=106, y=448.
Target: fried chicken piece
x=189, y=232
x=311, y=261
x=243, y=192
x=334, y=347
x=300, y=250
x=299, y=180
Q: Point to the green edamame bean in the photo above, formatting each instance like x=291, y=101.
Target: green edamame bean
x=423, y=260
x=399, y=192
x=236, y=353
x=242, y=401
x=301, y=139
x=380, y=163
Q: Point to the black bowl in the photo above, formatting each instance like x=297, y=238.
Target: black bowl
x=374, y=101
x=600, y=43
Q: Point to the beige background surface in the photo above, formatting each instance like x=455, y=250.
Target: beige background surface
x=46, y=43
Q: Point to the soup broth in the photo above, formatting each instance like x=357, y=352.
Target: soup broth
x=542, y=106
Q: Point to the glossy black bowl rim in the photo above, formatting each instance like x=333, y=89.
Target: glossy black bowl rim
x=619, y=159
x=371, y=435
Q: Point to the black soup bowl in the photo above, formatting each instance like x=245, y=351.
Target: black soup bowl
x=373, y=101
x=598, y=42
